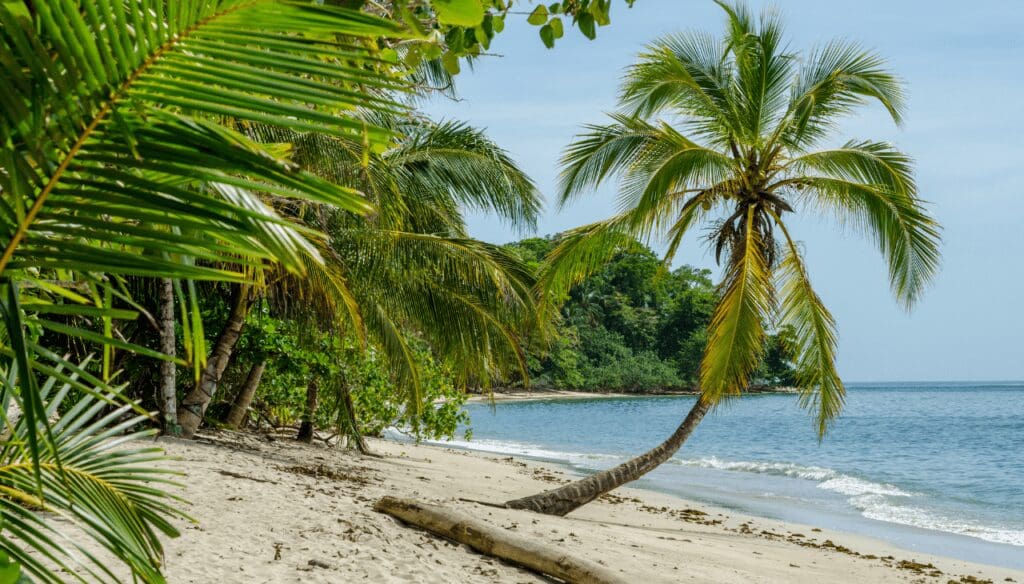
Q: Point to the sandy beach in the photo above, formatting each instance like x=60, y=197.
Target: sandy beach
x=276, y=511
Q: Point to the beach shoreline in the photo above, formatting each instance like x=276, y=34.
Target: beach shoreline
x=273, y=510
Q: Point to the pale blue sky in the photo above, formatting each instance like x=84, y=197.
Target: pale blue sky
x=964, y=66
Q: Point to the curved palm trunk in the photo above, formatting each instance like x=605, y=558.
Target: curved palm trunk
x=309, y=413
x=193, y=407
x=240, y=407
x=574, y=495
x=167, y=391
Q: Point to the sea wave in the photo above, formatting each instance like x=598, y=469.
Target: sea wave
x=874, y=500
x=880, y=508
x=853, y=486
x=528, y=450
x=814, y=473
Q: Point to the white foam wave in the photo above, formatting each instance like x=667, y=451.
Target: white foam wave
x=814, y=473
x=879, y=508
x=878, y=501
x=847, y=485
x=526, y=449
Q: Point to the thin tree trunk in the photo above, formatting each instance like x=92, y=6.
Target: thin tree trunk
x=193, y=407
x=167, y=391
x=576, y=494
x=240, y=408
x=309, y=413
x=353, y=423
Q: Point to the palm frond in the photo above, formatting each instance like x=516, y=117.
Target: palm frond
x=814, y=338
x=835, y=80
x=88, y=475
x=687, y=74
x=872, y=183
x=136, y=98
x=736, y=333
x=763, y=72
x=453, y=161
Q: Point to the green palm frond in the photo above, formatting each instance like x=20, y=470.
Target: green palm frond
x=125, y=103
x=690, y=72
x=872, y=184
x=603, y=151
x=90, y=475
x=467, y=298
x=736, y=333
x=814, y=338
x=762, y=72
x=411, y=269
x=451, y=161
x=833, y=82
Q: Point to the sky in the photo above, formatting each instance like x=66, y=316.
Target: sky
x=963, y=63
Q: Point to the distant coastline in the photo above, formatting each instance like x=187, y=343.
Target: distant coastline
x=546, y=394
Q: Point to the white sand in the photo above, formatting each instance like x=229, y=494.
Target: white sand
x=259, y=521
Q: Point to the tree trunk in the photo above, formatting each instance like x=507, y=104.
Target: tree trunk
x=167, y=390
x=353, y=423
x=492, y=540
x=309, y=413
x=576, y=494
x=240, y=408
x=193, y=407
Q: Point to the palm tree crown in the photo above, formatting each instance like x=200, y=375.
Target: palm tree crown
x=731, y=132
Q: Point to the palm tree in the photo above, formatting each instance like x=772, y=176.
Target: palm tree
x=118, y=126
x=739, y=148
x=411, y=267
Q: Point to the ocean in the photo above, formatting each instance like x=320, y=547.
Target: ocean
x=933, y=467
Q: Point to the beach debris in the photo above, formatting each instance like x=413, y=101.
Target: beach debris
x=493, y=541
x=322, y=471
x=236, y=475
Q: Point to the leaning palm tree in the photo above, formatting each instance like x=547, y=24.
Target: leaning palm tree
x=730, y=133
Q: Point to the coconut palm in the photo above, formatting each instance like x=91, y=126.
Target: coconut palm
x=733, y=134
x=117, y=120
x=409, y=268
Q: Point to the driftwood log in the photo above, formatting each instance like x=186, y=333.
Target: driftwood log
x=493, y=541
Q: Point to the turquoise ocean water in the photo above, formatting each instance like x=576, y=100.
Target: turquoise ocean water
x=934, y=467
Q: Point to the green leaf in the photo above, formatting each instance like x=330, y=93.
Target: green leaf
x=599, y=9
x=556, y=27
x=539, y=15
x=450, y=61
x=498, y=23
x=547, y=34
x=482, y=37
x=586, y=24
x=459, y=12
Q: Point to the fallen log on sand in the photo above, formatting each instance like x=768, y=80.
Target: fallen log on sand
x=499, y=543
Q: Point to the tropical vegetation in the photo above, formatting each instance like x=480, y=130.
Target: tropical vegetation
x=192, y=191
x=635, y=325
x=135, y=158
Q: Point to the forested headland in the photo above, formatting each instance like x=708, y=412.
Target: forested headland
x=636, y=325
